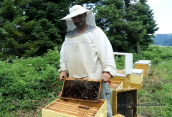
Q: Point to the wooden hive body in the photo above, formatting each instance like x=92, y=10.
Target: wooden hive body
x=114, y=86
x=125, y=102
x=143, y=64
x=122, y=78
x=73, y=108
x=79, y=98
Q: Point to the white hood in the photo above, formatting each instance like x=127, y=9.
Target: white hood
x=77, y=10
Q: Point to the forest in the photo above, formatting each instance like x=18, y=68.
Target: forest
x=29, y=28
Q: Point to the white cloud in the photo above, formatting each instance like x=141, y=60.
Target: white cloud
x=152, y=2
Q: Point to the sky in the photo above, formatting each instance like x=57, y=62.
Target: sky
x=162, y=15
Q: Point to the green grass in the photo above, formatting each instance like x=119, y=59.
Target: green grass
x=157, y=88
x=28, y=84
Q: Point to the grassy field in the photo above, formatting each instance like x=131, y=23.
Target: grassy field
x=27, y=85
x=156, y=93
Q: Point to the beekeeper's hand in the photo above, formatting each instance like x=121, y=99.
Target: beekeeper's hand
x=105, y=77
x=62, y=75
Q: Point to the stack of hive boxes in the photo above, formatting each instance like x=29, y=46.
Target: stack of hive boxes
x=143, y=64
x=141, y=68
x=120, y=86
x=123, y=75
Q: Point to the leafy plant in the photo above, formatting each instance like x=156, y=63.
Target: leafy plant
x=26, y=81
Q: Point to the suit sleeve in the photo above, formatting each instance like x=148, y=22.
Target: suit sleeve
x=105, y=52
x=63, y=61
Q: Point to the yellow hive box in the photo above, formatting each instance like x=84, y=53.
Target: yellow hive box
x=139, y=86
x=74, y=108
x=122, y=78
x=114, y=86
x=143, y=64
x=137, y=76
x=118, y=115
x=125, y=102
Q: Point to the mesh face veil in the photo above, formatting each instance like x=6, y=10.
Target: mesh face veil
x=77, y=10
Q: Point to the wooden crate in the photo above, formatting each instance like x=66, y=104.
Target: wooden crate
x=136, y=77
x=114, y=86
x=145, y=65
x=122, y=78
x=81, y=89
x=73, y=108
x=125, y=102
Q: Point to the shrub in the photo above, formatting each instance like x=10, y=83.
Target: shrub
x=29, y=79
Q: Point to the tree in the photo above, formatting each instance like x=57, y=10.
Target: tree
x=149, y=22
x=12, y=18
x=128, y=26
x=145, y=25
x=31, y=27
x=110, y=16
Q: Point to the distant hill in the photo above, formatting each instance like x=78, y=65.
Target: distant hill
x=163, y=39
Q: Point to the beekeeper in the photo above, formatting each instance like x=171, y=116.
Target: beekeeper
x=86, y=52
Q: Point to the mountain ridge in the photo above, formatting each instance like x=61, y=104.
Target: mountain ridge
x=163, y=39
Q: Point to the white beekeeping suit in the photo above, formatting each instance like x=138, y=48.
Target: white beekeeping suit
x=88, y=54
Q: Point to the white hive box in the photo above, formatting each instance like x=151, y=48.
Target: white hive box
x=128, y=61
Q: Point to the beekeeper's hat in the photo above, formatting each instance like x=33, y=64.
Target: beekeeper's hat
x=77, y=10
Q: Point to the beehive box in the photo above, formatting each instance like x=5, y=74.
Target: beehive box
x=79, y=98
x=139, y=86
x=143, y=64
x=128, y=61
x=118, y=115
x=114, y=85
x=137, y=76
x=74, y=108
x=81, y=89
x=122, y=78
x=125, y=102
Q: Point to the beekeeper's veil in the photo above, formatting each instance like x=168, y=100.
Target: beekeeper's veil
x=77, y=10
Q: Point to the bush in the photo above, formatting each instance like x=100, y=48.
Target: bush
x=28, y=79
x=156, y=60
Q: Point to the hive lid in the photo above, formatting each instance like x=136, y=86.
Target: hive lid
x=148, y=61
x=143, y=62
x=137, y=71
x=81, y=89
